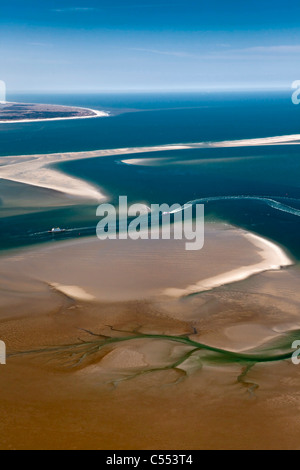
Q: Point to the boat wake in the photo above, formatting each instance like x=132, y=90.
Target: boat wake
x=267, y=200
x=63, y=232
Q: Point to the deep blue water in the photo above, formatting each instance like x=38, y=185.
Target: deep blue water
x=153, y=119
x=236, y=184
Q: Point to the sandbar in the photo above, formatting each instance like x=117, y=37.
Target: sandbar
x=35, y=170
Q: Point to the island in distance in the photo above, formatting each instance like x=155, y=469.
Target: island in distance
x=23, y=112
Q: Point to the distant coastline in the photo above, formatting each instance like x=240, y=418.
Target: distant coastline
x=15, y=113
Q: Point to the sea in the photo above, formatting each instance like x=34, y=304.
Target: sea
x=256, y=188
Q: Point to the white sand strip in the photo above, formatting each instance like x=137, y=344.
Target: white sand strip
x=76, y=293
x=57, y=181
x=284, y=139
x=266, y=141
x=33, y=170
x=273, y=258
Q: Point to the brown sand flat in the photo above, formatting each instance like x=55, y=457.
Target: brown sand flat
x=130, y=270
x=125, y=396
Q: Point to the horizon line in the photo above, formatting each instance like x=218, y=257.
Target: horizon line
x=155, y=90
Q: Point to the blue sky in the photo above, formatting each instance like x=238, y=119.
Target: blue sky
x=148, y=45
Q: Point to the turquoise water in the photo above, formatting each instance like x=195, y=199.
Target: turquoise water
x=232, y=184
x=256, y=188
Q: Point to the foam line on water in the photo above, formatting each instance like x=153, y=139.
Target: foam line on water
x=267, y=200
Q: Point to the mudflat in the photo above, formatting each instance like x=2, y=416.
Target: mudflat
x=100, y=357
